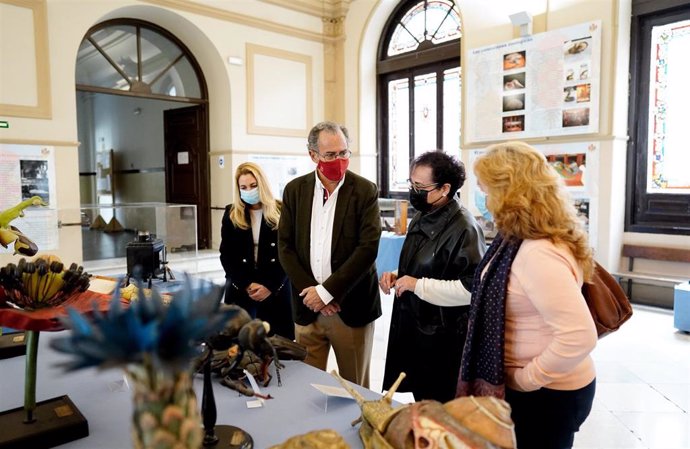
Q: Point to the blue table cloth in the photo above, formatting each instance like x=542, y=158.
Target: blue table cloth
x=389, y=252
x=106, y=402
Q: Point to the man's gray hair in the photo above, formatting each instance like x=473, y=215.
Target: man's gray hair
x=329, y=127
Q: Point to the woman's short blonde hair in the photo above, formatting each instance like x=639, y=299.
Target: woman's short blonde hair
x=271, y=206
x=528, y=200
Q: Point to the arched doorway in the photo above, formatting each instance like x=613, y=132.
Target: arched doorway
x=141, y=94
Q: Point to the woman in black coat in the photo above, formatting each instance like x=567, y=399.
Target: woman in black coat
x=443, y=246
x=254, y=277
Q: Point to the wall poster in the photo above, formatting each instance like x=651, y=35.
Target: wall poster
x=27, y=171
x=546, y=84
x=578, y=166
x=282, y=169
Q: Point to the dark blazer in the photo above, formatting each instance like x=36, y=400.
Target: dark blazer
x=237, y=258
x=356, y=234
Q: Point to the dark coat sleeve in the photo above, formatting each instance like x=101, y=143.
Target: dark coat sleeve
x=232, y=252
x=471, y=251
x=269, y=271
x=466, y=253
x=358, y=260
x=353, y=281
x=225, y=240
x=300, y=276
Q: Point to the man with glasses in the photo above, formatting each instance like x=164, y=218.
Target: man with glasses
x=329, y=234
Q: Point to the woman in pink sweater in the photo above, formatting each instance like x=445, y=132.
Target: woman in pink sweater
x=530, y=332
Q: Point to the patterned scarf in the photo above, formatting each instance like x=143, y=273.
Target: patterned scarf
x=481, y=369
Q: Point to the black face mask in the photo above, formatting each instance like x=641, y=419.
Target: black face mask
x=418, y=199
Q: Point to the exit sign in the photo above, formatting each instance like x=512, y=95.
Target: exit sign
x=4, y=124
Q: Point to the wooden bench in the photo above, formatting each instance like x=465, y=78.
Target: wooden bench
x=633, y=252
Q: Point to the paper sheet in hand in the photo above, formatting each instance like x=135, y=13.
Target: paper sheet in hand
x=328, y=390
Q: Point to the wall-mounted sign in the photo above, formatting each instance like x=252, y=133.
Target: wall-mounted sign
x=542, y=85
x=27, y=171
x=577, y=163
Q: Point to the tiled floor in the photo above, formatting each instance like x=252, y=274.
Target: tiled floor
x=643, y=383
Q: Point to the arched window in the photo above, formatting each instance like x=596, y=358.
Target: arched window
x=658, y=184
x=419, y=87
x=137, y=58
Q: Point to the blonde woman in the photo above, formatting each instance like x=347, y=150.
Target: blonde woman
x=530, y=333
x=254, y=277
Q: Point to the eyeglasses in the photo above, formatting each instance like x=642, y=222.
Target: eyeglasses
x=419, y=187
x=331, y=156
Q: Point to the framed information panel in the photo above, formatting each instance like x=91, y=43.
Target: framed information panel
x=577, y=163
x=27, y=171
x=542, y=85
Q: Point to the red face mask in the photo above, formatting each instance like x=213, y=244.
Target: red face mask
x=333, y=170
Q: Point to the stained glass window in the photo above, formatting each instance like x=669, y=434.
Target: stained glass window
x=419, y=79
x=658, y=179
x=432, y=21
x=668, y=158
x=451, y=109
x=398, y=133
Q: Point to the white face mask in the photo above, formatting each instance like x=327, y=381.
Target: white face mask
x=250, y=196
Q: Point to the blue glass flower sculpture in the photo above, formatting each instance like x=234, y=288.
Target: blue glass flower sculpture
x=154, y=343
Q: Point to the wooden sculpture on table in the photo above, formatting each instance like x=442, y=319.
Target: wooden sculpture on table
x=242, y=339
x=463, y=423
x=8, y=233
x=318, y=439
x=245, y=345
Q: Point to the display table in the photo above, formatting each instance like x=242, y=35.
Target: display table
x=388, y=257
x=106, y=402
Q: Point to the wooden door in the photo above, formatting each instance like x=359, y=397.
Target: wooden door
x=187, y=164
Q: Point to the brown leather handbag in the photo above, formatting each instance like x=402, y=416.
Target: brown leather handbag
x=607, y=301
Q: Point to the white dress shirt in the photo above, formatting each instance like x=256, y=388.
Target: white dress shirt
x=440, y=292
x=256, y=217
x=322, y=218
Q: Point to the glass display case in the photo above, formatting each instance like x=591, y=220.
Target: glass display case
x=97, y=236
x=106, y=230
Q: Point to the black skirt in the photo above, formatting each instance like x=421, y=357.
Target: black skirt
x=428, y=352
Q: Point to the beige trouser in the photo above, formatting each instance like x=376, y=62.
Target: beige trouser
x=352, y=346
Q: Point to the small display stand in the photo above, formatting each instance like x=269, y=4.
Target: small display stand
x=221, y=436
x=57, y=421
x=146, y=259
x=11, y=344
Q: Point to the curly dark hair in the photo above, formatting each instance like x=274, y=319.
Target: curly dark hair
x=445, y=169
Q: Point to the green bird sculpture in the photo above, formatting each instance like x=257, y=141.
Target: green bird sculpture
x=8, y=233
